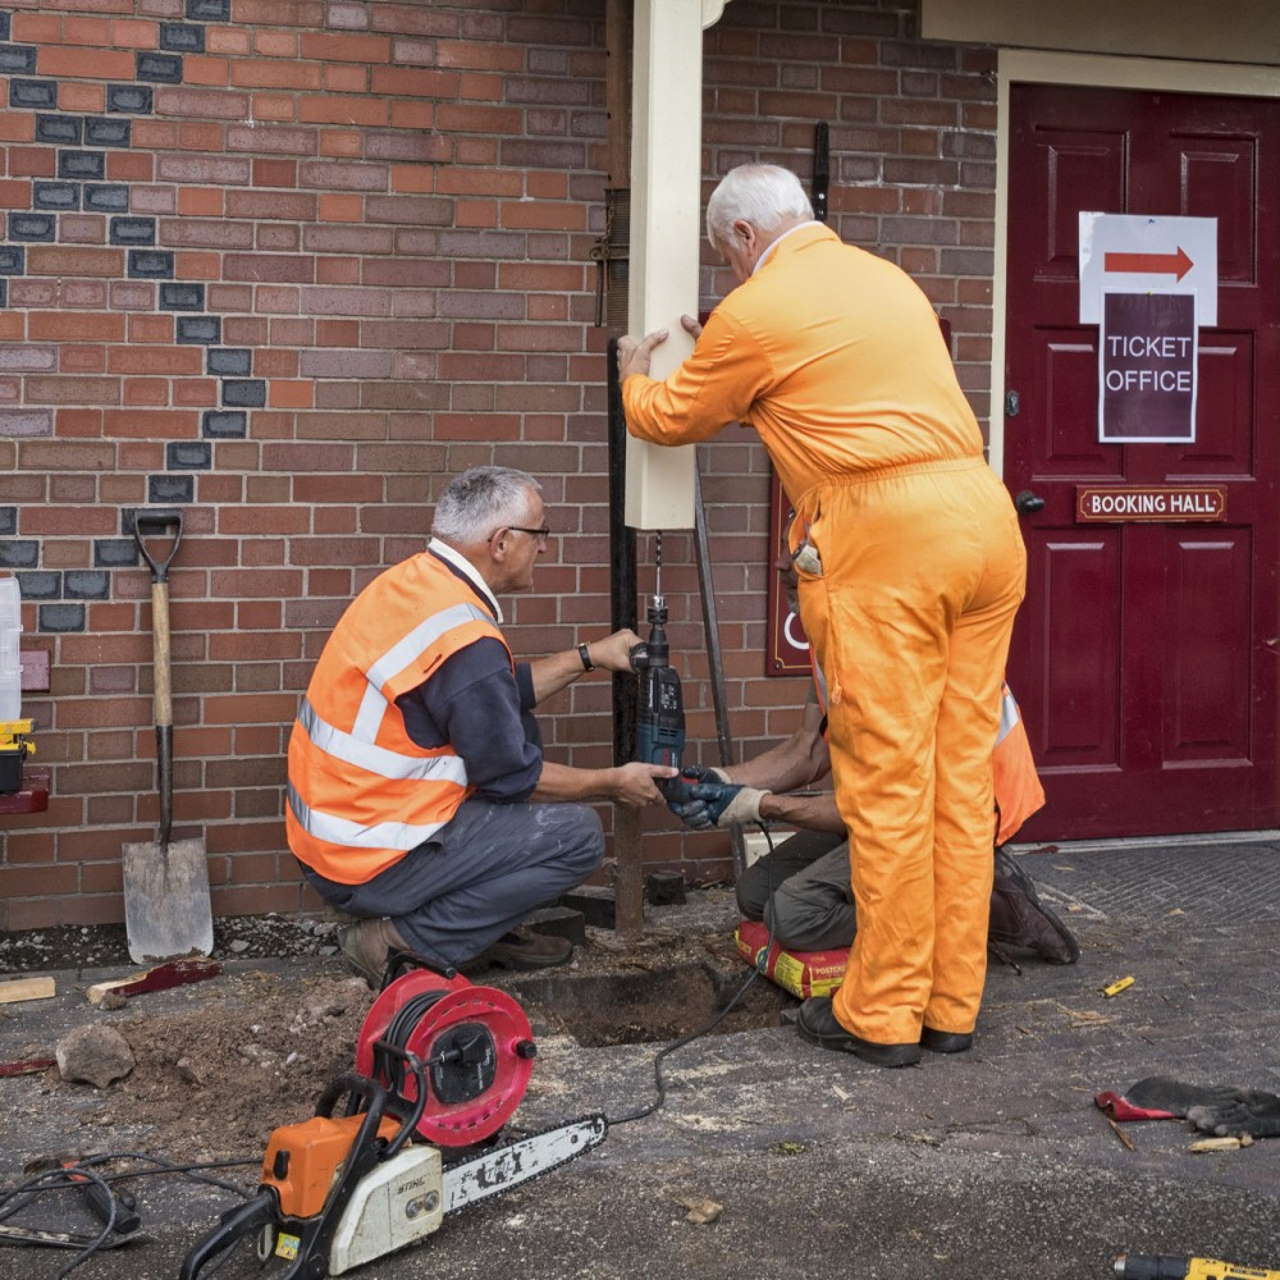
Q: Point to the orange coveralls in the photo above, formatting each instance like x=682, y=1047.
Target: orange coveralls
x=837, y=360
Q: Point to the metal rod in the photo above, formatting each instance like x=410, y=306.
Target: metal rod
x=628, y=884
x=715, y=658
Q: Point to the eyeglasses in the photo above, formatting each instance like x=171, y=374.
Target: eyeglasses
x=541, y=534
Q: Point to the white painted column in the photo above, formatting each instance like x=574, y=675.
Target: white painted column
x=666, y=231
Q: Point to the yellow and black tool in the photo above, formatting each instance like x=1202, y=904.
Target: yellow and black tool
x=1158, y=1266
x=15, y=747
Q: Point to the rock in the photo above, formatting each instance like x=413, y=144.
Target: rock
x=112, y=1000
x=702, y=1211
x=238, y=946
x=94, y=1053
x=328, y=951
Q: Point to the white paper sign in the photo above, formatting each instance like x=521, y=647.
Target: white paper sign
x=1141, y=253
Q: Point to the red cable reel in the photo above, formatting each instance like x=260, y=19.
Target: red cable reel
x=476, y=1042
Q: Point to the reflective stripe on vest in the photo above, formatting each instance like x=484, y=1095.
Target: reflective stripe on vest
x=365, y=755
x=373, y=706
x=382, y=835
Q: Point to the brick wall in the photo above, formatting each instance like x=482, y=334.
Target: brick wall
x=288, y=265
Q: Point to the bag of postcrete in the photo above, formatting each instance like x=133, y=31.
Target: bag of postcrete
x=803, y=973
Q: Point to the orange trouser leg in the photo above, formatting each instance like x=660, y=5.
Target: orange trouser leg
x=907, y=554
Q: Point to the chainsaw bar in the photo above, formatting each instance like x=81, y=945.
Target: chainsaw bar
x=470, y=1181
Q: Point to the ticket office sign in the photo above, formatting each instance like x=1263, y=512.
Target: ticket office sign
x=1151, y=504
x=1147, y=369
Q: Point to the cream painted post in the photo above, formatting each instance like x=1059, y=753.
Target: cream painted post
x=666, y=204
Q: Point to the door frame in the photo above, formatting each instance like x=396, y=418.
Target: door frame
x=1089, y=71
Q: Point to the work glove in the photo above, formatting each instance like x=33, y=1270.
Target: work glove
x=678, y=791
x=717, y=804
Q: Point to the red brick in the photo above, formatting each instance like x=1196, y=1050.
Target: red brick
x=34, y=162
x=345, y=48
x=15, y=195
x=341, y=208
x=91, y=64
x=336, y=109
x=203, y=103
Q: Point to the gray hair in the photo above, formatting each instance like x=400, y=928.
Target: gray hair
x=764, y=195
x=481, y=500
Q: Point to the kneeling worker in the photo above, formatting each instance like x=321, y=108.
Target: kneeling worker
x=418, y=794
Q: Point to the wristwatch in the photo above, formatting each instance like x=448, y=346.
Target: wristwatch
x=585, y=654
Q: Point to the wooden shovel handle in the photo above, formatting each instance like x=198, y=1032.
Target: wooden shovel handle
x=160, y=650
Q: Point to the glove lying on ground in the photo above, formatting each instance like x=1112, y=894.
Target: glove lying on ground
x=1217, y=1109
x=715, y=804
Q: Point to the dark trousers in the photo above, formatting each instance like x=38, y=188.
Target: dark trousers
x=802, y=892
x=479, y=877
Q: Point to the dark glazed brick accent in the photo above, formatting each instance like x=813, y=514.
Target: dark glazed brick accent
x=244, y=393
x=33, y=93
x=102, y=131
x=222, y=425
x=39, y=586
x=85, y=584
x=62, y=617
x=22, y=553
x=8, y=519
x=171, y=488
x=160, y=68
x=112, y=198
x=13, y=260
x=4, y=26
x=200, y=330
x=188, y=455
x=181, y=37
x=150, y=264
x=81, y=164
x=182, y=297
x=57, y=195
x=32, y=227
x=135, y=99
x=230, y=361
x=4, y=293
x=133, y=231
x=59, y=129
x=128, y=515
x=209, y=10
x=114, y=553
x=17, y=57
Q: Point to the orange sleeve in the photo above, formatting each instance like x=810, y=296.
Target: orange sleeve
x=716, y=385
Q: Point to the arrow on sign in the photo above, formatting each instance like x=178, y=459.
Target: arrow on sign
x=1175, y=264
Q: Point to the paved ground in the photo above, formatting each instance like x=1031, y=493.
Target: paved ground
x=993, y=1165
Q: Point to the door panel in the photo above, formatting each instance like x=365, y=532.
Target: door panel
x=1146, y=656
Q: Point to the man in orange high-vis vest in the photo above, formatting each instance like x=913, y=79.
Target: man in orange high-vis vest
x=418, y=793
x=911, y=571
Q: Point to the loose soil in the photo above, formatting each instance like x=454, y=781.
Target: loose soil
x=235, y=1056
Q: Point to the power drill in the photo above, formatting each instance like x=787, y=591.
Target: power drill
x=1150, y=1266
x=660, y=708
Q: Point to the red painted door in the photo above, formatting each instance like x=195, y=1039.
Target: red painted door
x=1146, y=656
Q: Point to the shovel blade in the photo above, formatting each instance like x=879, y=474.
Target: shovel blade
x=166, y=901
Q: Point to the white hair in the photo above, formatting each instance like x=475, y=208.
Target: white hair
x=481, y=500
x=764, y=195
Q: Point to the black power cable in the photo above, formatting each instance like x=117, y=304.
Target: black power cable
x=660, y=1084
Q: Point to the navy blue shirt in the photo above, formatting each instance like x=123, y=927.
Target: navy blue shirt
x=478, y=706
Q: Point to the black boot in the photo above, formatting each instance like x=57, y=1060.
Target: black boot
x=818, y=1025
x=945, y=1041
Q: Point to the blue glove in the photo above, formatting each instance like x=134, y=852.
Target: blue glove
x=716, y=804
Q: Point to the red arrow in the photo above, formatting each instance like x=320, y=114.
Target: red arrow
x=1177, y=264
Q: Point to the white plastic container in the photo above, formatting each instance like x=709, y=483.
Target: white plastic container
x=10, y=661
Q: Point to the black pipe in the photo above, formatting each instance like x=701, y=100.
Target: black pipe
x=622, y=558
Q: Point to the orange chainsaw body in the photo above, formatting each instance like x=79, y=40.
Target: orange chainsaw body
x=302, y=1160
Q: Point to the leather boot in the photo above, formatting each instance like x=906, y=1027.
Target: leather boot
x=366, y=946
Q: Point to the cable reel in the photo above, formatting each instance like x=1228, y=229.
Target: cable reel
x=476, y=1042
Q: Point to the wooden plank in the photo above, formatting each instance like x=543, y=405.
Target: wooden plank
x=162, y=977
x=26, y=989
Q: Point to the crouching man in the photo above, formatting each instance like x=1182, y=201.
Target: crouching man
x=418, y=794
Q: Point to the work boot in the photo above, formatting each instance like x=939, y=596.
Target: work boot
x=1020, y=921
x=946, y=1041
x=367, y=945
x=524, y=949
x=818, y=1025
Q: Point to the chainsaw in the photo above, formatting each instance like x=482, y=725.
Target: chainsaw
x=441, y=1066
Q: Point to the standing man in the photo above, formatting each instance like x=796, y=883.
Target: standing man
x=418, y=794
x=911, y=569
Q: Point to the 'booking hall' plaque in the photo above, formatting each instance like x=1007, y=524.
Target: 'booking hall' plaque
x=1166, y=504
